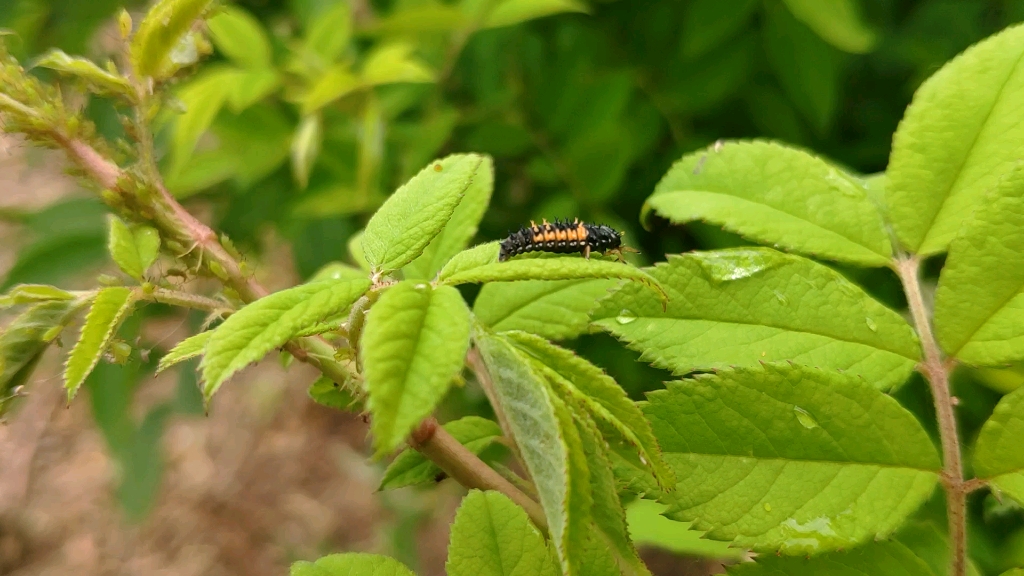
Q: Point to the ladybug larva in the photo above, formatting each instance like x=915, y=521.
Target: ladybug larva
x=562, y=238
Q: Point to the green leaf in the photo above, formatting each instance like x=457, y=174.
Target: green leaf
x=556, y=310
x=559, y=268
x=109, y=309
x=775, y=195
x=524, y=399
x=270, y=322
x=251, y=86
x=23, y=341
x=460, y=228
x=838, y=22
x=351, y=564
x=417, y=212
x=203, y=96
x=709, y=23
x=469, y=259
x=414, y=344
x=240, y=37
x=330, y=32
x=394, y=62
x=999, y=455
x=808, y=69
x=960, y=136
x=601, y=396
x=164, y=26
x=791, y=459
x=327, y=392
x=188, y=348
x=334, y=83
x=510, y=12
x=648, y=527
x=306, y=147
x=491, y=536
x=744, y=306
x=100, y=80
x=30, y=293
x=979, y=303
x=411, y=468
x=133, y=249
x=578, y=542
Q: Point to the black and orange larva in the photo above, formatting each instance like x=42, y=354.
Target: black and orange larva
x=562, y=238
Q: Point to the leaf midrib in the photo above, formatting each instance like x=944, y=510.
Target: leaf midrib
x=970, y=152
x=810, y=461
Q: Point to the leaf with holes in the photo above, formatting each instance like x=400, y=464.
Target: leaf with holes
x=479, y=435
x=979, y=303
x=556, y=310
x=413, y=346
x=743, y=306
x=491, y=536
x=270, y=322
x=960, y=136
x=775, y=194
x=791, y=459
x=417, y=212
x=109, y=309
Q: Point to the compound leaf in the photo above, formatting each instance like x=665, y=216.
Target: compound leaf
x=775, y=194
x=791, y=459
x=414, y=344
x=961, y=134
x=743, y=306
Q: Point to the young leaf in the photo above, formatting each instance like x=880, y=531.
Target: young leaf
x=203, y=96
x=98, y=79
x=410, y=467
x=979, y=303
x=158, y=33
x=327, y=392
x=510, y=12
x=240, y=37
x=134, y=251
x=556, y=310
x=417, y=212
x=838, y=22
x=774, y=194
x=601, y=396
x=330, y=32
x=306, y=147
x=959, y=137
x=491, y=536
x=109, y=308
x=528, y=406
x=562, y=268
x=332, y=84
x=30, y=293
x=743, y=306
x=708, y=23
x=249, y=334
x=351, y=564
x=460, y=228
x=999, y=455
x=188, y=348
x=414, y=344
x=24, y=340
x=469, y=259
x=394, y=62
x=791, y=459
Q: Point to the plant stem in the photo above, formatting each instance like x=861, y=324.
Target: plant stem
x=936, y=371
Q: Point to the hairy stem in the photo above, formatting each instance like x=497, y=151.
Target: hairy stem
x=936, y=371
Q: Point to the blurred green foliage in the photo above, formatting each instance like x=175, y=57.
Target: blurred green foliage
x=310, y=112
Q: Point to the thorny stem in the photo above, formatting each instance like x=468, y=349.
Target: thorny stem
x=936, y=371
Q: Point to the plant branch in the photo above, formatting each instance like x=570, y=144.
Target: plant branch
x=936, y=371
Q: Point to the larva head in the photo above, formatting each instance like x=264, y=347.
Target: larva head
x=604, y=238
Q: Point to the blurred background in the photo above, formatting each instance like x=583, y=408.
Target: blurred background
x=306, y=114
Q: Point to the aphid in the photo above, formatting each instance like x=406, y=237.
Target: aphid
x=562, y=238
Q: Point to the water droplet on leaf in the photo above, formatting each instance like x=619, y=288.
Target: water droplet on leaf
x=767, y=507
x=871, y=324
x=781, y=297
x=625, y=316
x=805, y=418
x=736, y=265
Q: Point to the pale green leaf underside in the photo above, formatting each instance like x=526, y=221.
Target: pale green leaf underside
x=743, y=306
x=556, y=310
x=960, y=135
x=411, y=467
x=835, y=21
x=414, y=344
x=109, y=308
x=791, y=459
x=460, y=228
x=979, y=304
x=999, y=453
x=252, y=332
x=776, y=195
x=491, y=536
x=351, y=564
x=573, y=547
x=524, y=399
x=188, y=348
x=412, y=216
